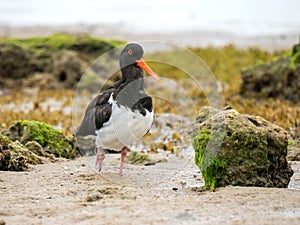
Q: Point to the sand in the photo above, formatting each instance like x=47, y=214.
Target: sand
x=71, y=192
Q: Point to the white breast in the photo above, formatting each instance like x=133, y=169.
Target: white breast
x=123, y=128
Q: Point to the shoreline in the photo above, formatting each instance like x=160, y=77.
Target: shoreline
x=187, y=38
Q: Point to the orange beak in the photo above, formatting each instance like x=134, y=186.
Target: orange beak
x=141, y=63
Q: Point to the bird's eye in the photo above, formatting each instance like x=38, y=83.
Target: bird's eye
x=129, y=52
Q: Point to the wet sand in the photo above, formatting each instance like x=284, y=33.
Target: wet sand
x=71, y=192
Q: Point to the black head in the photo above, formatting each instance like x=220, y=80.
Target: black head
x=132, y=62
x=130, y=54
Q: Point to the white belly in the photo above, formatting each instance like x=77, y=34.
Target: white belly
x=123, y=128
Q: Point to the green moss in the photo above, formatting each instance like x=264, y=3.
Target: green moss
x=4, y=141
x=225, y=62
x=15, y=156
x=295, y=61
x=199, y=144
x=232, y=161
x=137, y=158
x=291, y=143
x=88, y=47
x=17, y=147
x=60, y=41
x=208, y=161
x=52, y=140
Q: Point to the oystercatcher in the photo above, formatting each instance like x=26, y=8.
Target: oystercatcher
x=123, y=113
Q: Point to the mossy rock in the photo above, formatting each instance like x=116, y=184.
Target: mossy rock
x=242, y=150
x=68, y=68
x=295, y=60
x=14, y=62
x=278, y=78
x=53, y=141
x=15, y=156
x=64, y=56
x=61, y=41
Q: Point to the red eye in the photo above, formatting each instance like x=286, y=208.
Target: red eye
x=129, y=52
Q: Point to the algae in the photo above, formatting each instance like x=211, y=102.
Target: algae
x=246, y=152
x=137, y=158
x=208, y=162
x=53, y=141
x=65, y=41
x=295, y=60
x=15, y=156
x=251, y=152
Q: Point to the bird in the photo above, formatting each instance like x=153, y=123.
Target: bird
x=123, y=113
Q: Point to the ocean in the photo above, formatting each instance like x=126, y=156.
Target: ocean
x=249, y=18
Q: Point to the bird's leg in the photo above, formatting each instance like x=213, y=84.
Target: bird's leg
x=123, y=155
x=99, y=158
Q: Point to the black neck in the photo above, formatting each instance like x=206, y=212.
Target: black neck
x=131, y=72
x=130, y=88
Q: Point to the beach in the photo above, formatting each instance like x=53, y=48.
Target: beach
x=168, y=190
x=70, y=192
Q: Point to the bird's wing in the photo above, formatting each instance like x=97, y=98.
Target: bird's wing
x=144, y=102
x=96, y=114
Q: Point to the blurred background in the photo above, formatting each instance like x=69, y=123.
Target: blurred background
x=264, y=23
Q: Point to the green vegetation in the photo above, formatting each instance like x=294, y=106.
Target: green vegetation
x=14, y=156
x=208, y=161
x=64, y=41
x=250, y=152
x=225, y=62
x=295, y=60
x=52, y=140
x=137, y=158
x=241, y=155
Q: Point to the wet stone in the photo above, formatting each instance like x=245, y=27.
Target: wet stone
x=239, y=149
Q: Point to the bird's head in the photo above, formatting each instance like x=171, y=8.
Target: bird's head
x=132, y=54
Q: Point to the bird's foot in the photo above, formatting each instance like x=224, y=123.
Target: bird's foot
x=99, y=159
x=123, y=155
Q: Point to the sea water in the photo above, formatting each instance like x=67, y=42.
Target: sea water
x=252, y=17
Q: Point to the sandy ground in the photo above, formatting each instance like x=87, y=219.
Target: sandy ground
x=71, y=192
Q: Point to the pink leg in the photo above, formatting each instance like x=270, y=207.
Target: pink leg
x=99, y=158
x=123, y=155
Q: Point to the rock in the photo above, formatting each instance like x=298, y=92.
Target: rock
x=14, y=62
x=52, y=140
x=295, y=55
x=65, y=57
x=91, y=48
x=32, y=142
x=280, y=78
x=15, y=156
x=238, y=149
x=293, y=153
x=37, y=149
x=68, y=68
x=41, y=80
